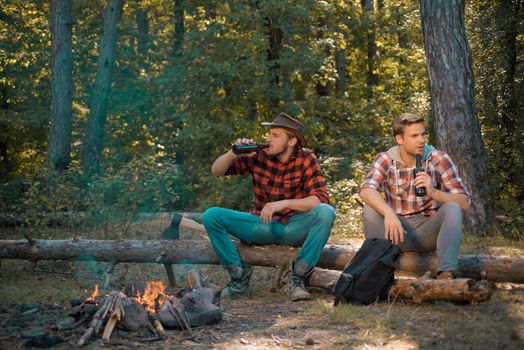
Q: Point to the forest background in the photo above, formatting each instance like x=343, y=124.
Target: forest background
x=113, y=108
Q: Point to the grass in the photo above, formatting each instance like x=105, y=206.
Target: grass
x=496, y=324
x=492, y=325
x=21, y=283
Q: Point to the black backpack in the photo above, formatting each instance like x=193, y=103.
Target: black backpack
x=370, y=274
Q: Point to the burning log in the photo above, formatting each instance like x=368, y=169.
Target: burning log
x=493, y=268
x=151, y=308
x=419, y=290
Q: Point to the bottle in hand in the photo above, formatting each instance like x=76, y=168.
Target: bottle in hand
x=419, y=191
x=249, y=148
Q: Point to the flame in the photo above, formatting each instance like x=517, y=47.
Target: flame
x=152, y=298
x=95, y=293
x=153, y=295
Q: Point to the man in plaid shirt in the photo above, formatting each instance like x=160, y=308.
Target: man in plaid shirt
x=291, y=206
x=427, y=223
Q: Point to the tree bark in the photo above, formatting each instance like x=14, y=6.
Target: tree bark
x=5, y=163
x=506, y=38
x=419, y=290
x=275, y=36
x=323, y=86
x=402, y=34
x=453, y=104
x=369, y=28
x=94, y=139
x=142, y=25
x=340, y=65
x=179, y=28
x=340, y=58
x=493, y=268
x=59, y=144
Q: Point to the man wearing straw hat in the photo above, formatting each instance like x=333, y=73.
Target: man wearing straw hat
x=291, y=206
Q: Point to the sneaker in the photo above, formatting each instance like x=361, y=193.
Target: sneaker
x=446, y=275
x=239, y=281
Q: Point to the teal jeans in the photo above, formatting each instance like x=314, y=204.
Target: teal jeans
x=310, y=230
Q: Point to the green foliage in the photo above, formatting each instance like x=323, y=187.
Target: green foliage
x=141, y=185
x=500, y=104
x=183, y=110
x=343, y=193
x=147, y=184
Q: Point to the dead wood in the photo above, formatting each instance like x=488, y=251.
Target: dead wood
x=112, y=299
x=277, y=276
x=117, y=314
x=333, y=257
x=94, y=322
x=460, y=289
x=74, y=218
x=159, y=328
x=179, y=314
x=422, y=289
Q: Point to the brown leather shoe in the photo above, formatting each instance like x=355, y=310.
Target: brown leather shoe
x=446, y=275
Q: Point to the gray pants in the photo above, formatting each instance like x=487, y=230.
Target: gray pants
x=441, y=232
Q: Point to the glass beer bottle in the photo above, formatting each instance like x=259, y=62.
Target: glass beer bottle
x=419, y=191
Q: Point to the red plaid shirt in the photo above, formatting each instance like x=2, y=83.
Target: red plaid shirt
x=388, y=171
x=299, y=177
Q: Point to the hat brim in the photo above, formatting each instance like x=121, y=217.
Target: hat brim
x=299, y=135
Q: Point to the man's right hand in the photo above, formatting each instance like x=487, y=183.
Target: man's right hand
x=244, y=141
x=393, y=226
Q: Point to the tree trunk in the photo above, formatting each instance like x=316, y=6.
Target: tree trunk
x=506, y=26
x=340, y=59
x=419, y=290
x=142, y=25
x=59, y=146
x=179, y=28
x=453, y=104
x=275, y=37
x=402, y=35
x=488, y=95
x=323, y=86
x=211, y=11
x=340, y=65
x=4, y=139
x=369, y=28
x=94, y=139
x=493, y=268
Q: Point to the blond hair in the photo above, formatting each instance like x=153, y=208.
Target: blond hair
x=404, y=120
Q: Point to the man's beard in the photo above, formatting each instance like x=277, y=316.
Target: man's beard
x=275, y=155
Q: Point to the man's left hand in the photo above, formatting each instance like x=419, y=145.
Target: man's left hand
x=424, y=180
x=270, y=209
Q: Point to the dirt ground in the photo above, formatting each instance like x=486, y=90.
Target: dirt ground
x=39, y=295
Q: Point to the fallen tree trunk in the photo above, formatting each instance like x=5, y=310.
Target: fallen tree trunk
x=74, y=218
x=418, y=290
x=493, y=268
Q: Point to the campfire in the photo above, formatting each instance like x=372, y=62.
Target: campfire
x=154, y=309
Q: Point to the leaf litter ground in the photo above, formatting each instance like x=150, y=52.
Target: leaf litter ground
x=36, y=296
